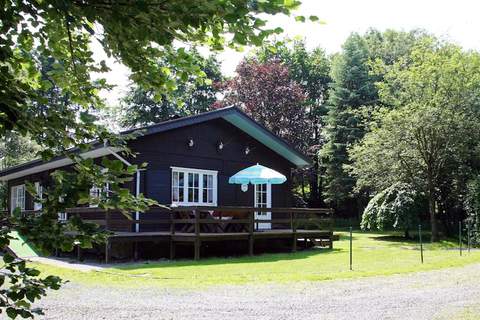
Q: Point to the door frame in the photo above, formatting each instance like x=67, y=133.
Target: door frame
x=268, y=215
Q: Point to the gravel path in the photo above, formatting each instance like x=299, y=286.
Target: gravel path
x=441, y=294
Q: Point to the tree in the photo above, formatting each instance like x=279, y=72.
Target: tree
x=267, y=93
x=429, y=139
x=137, y=34
x=364, y=61
x=15, y=149
x=192, y=96
x=311, y=70
x=395, y=207
x=352, y=87
x=424, y=146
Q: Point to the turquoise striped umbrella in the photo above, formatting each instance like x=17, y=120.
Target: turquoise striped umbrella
x=257, y=174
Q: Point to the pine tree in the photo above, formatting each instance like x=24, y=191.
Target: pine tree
x=352, y=87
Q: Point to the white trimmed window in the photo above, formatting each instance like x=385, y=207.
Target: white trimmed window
x=39, y=189
x=194, y=187
x=18, y=197
x=62, y=216
x=96, y=193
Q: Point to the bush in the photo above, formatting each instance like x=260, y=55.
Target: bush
x=397, y=207
x=472, y=208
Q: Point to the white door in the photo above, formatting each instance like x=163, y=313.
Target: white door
x=263, y=199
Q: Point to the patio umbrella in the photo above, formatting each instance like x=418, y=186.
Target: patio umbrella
x=257, y=174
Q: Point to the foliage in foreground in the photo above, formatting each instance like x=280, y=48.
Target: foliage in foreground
x=56, y=109
x=193, y=95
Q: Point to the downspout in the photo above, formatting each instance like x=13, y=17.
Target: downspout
x=137, y=182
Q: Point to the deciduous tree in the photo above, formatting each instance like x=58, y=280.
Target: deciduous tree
x=138, y=34
x=429, y=139
x=311, y=70
x=267, y=93
x=193, y=95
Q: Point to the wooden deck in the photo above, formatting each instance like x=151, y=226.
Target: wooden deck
x=195, y=225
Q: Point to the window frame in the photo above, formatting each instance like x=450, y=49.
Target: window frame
x=12, y=197
x=37, y=206
x=200, y=188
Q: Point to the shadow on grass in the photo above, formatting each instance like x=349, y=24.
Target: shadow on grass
x=262, y=258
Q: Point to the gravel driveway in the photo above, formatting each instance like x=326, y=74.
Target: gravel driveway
x=441, y=294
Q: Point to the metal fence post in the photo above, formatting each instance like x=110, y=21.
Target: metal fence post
x=420, y=240
x=460, y=237
x=469, y=244
x=351, y=255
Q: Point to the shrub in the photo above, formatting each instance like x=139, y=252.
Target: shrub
x=397, y=207
x=472, y=208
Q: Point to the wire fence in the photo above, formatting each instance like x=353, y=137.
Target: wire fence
x=468, y=238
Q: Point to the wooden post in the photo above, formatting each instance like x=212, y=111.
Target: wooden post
x=107, y=220
x=251, y=227
x=172, y=223
x=196, y=214
x=291, y=221
x=172, y=249
x=135, y=251
x=197, y=243
x=172, y=232
x=108, y=246
x=294, y=231
x=79, y=253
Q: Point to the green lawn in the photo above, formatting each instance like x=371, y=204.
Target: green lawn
x=373, y=254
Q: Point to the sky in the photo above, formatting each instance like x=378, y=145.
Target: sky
x=457, y=21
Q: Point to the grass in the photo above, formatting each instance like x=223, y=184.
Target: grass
x=374, y=254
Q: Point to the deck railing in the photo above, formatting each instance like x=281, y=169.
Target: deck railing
x=203, y=219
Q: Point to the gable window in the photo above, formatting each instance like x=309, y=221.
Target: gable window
x=18, y=197
x=194, y=187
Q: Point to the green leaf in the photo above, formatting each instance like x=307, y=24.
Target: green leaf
x=12, y=312
x=300, y=18
x=8, y=258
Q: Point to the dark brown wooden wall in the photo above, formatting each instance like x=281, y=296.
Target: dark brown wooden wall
x=163, y=150
x=166, y=149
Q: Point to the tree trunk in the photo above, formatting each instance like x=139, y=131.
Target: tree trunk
x=407, y=234
x=433, y=217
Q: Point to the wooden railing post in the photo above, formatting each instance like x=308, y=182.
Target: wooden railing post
x=107, y=220
x=108, y=247
x=251, y=226
x=291, y=220
x=172, y=233
x=197, y=243
x=294, y=231
x=172, y=223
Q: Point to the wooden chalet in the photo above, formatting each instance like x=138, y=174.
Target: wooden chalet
x=190, y=161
